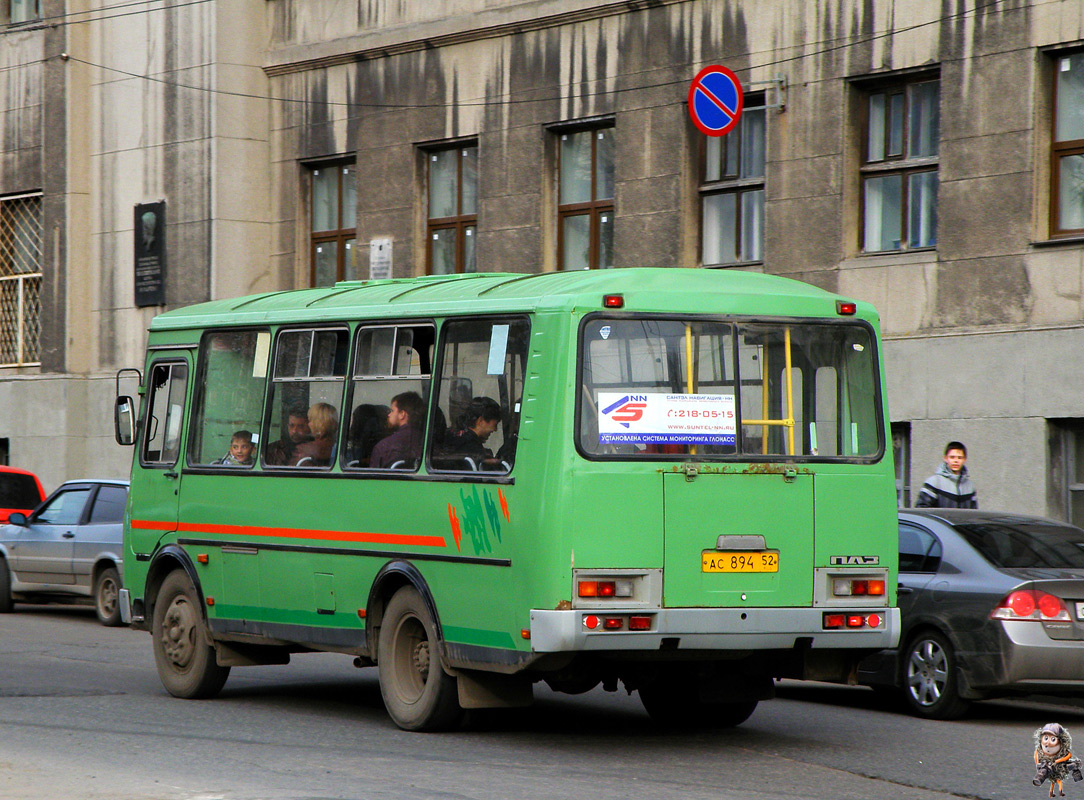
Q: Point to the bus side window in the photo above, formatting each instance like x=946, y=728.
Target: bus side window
x=304, y=408
x=165, y=414
x=229, y=398
x=480, y=394
x=389, y=393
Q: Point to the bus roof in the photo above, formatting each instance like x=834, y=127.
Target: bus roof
x=648, y=289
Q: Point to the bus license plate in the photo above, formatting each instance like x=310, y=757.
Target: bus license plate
x=723, y=561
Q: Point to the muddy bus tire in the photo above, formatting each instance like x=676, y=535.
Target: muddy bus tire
x=186, y=663
x=418, y=694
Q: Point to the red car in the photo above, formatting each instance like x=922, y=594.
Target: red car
x=19, y=491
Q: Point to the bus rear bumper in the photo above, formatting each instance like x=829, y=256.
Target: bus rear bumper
x=708, y=629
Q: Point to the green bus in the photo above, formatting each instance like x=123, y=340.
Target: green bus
x=675, y=479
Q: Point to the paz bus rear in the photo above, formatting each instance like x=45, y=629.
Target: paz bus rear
x=733, y=501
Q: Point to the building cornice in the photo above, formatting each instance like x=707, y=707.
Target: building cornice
x=385, y=44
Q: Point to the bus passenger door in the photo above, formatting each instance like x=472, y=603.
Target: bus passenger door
x=738, y=539
x=156, y=478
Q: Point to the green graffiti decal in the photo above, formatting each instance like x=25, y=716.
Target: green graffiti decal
x=493, y=514
x=477, y=510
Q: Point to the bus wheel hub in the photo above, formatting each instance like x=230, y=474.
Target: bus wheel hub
x=421, y=658
x=177, y=632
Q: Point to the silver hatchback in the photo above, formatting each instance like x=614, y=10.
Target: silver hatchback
x=69, y=547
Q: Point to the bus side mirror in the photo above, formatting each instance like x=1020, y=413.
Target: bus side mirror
x=124, y=420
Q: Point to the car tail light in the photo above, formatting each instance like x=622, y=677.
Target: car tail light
x=1031, y=604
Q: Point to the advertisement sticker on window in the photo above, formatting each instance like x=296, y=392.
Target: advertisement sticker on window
x=666, y=418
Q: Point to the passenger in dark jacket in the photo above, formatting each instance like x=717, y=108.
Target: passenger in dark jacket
x=403, y=447
x=480, y=420
x=950, y=486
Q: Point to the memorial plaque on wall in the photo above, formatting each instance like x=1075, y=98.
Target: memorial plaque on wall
x=150, y=254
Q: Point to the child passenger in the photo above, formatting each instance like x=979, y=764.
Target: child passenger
x=241, y=448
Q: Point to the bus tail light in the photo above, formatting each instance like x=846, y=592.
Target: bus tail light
x=1031, y=604
x=838, y=621
x=588, y=589
x=615, y=588
x=639, y=623
x=613, y=301
x=613, y=623
x=846, y=308
x=862, y=587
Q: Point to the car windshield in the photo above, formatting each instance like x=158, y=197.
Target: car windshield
x=1024, y=544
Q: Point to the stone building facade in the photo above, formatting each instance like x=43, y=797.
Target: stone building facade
x=924, y=157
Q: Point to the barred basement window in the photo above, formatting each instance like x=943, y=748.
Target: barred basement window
x=20, y=280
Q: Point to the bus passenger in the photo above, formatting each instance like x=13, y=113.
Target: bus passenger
x=405, y=419
x=323, y=424
x=478, y=422
x=284, y=451
x=241, y=449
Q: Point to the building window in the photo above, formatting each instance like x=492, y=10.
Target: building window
x=334, y=220
x=15, y=12
x=451, y=230
x=899, y=167
x=1067, y=169
x=732, y=191
x=20, y=280
x=901, y=456
x=1065, y=497
x=585, y=199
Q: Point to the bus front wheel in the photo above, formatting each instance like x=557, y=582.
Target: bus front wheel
x=418, y=693
x=186, y=662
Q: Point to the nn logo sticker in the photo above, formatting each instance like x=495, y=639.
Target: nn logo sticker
x=629, y=408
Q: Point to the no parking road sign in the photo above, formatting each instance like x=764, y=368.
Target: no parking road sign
x=715, y=100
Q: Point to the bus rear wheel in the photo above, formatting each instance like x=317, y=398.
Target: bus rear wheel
x=418, y=693
x=671, y=706
x=186, y=662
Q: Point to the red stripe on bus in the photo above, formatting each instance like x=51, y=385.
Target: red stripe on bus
x=295, y=533
x=148, y=525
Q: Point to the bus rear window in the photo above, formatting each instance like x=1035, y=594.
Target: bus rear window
x=693, y=388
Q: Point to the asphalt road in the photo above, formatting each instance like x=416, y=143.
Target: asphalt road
x=82, y=715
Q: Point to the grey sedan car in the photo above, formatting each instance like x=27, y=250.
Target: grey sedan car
x=69, y=547
x=991, y=604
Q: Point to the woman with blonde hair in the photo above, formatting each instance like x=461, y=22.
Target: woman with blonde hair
x=323, y=424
